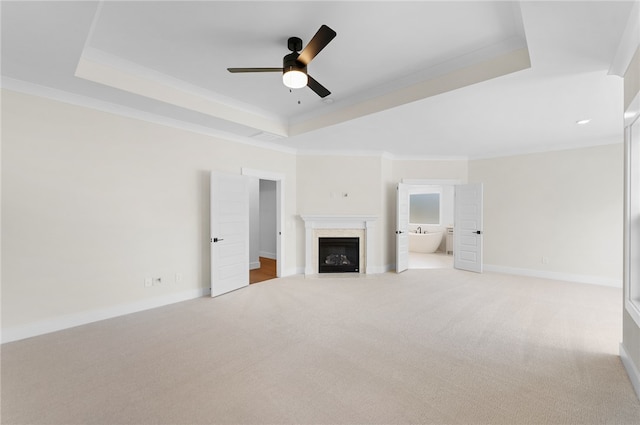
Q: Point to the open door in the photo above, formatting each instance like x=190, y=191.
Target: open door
x=402, y=226
x=280, y=209
x=229, y=232
x=467, y=234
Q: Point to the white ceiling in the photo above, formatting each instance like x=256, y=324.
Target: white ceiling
x=416, y=79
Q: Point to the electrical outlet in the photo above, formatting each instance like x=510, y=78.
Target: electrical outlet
x=178, y=277
x=148, y=282
x=545, y=260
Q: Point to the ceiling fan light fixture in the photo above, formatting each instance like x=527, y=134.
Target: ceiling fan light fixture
x=295, y=79
x=294, y=65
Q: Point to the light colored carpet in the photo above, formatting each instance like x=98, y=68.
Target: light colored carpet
x=427, y=346
x=437, y=260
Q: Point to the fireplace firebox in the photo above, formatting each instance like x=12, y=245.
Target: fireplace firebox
x=338, y=255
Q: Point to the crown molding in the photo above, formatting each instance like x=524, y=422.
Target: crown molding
x=58, y=95
x=629, y=43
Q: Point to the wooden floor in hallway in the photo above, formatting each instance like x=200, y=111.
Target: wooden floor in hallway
x=266, y=271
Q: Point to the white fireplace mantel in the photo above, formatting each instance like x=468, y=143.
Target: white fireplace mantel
x=315, y=222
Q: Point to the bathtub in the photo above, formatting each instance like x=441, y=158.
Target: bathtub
x=425, y=242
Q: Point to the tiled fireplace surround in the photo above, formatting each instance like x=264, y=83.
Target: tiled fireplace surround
x=319, y=226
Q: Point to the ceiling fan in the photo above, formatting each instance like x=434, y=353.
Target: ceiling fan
x=294, y=65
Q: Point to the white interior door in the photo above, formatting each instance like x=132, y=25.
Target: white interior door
x=402, y=227
x=467, y=233
x=229, y=232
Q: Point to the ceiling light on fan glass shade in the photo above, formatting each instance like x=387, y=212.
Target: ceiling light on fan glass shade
x=295, y=79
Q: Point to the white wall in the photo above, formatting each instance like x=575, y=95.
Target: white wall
x=324, y=180
x=268, y=217
x=92, y=203
x=555, y=214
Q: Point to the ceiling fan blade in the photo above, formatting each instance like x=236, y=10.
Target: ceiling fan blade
x=317, y=87
x=317, y=43
x=236, y=70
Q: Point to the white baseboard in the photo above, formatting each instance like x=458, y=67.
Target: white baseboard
x=254, y=265
x=269, y=255
x=380, y=269
x=632, y=370
x=72, y=320
x=568, y=277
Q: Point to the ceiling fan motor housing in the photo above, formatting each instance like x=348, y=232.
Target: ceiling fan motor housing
x=291, y=63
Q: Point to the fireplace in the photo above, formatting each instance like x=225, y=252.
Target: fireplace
x=338, y=255
x=362, y=228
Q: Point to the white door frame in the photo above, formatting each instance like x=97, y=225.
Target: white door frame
x=280, y=203
x=432, y=182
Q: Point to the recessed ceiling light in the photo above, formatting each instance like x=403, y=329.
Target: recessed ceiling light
x=328, y=100
x=583, y=122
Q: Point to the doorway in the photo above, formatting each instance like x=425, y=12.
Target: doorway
x=265, y=225
x=430, y=226
x=451, y=205
x=263, y=231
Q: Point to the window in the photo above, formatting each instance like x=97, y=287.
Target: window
x=424, y=208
